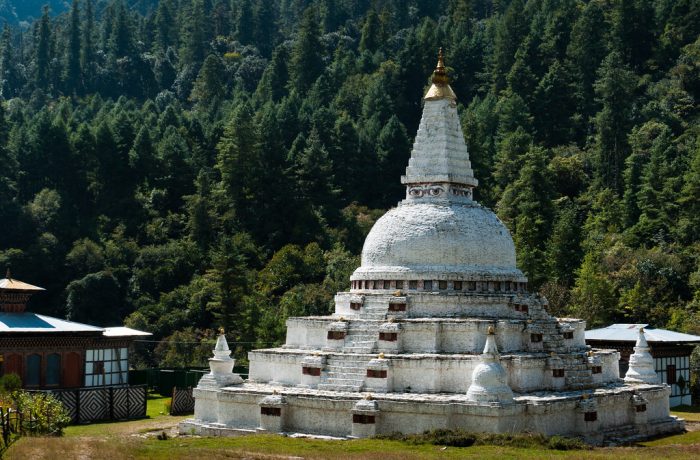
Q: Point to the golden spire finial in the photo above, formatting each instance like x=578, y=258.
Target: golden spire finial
x=221, y=331
x=440, y=73
x=492, y=331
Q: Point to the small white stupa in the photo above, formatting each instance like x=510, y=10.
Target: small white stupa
x=221, y=366
x=489, y=377
x=641, y=366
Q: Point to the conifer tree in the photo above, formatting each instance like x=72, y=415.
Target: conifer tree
x=73, y=73
x=87, y=54
x=614, y=89
x=42, y=59
x=305, y=63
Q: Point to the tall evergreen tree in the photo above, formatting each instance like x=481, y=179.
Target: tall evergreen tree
x=73, y=74
x=305, y=64
x=614, y=89
x=42, y=58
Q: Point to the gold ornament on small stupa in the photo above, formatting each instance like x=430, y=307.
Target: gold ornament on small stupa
x=492, y=330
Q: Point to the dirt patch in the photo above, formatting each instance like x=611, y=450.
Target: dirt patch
x=692, y=426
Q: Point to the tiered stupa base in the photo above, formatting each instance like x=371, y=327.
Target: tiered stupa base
x=611, y=414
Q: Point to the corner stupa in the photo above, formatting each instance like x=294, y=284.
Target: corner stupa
x=437, y=330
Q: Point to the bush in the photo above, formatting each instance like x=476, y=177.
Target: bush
x=10, y=382
x=42, y=413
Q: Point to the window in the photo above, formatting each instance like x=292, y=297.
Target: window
x=33, y=377
x=597, y=369
x=388, y=336
x=442, y=285
x=457, y=285
x=568, y=335
x=471, y=285
x=399, y=285
x=387, y=284
x=671, y=374
x=397, y=306
x=336, y=335
x=427, y=285
x=273, y=411
x=108, y=366
x=590, y=416
x=641, y=408
x=355, y=305
x=376, y=374
x=413, y=284
x=362, y=418
x=534, y=338
x=557, y=373
x=313, y=371
x=53, y=369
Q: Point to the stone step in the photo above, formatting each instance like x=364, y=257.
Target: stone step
x=334, y=387
x=355, y=376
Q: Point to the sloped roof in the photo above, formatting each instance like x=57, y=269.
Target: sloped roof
x=16, y=285
x=32, y=322
x=122, y=331
x=629, y=333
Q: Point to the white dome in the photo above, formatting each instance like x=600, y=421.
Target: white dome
x=460, y=241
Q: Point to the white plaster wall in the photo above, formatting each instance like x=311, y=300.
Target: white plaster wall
x=306, y=333
x=283, y=368
x=239, y=410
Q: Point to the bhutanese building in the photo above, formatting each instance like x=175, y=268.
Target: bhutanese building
x=52, y=353
x=671, y=352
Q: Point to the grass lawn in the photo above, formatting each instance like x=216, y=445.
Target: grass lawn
x=690, y=413
x=136, y=440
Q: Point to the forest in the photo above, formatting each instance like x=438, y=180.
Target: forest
x=183, y=165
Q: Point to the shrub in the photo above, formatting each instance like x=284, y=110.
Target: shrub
x=10, y=382
x=42, y=413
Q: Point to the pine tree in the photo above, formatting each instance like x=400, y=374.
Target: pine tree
x=614, y=89
x=9, y=75
x=209, y=89
x=371, y=39
x=510, y=32
x=245, y=32
x=196, y=35
x=73, y=74
x=265, y=31
x=87, y=55
x=42, y=59
x=165, y=25
x=305, y=64
x=393, y=152
x=526, y=207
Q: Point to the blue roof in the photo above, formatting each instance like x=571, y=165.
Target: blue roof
x=32, y=322
x=629, y=333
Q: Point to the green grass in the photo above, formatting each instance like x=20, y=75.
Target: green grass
x=690, y=413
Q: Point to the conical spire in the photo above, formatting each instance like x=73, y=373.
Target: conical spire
x=641, y=364
x=489, y=380
x=440, y=89
x=439, y=167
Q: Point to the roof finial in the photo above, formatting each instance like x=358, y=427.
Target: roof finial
x=440, y=73
x=8, y=275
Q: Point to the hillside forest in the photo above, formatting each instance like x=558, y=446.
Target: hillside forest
x=194, y=164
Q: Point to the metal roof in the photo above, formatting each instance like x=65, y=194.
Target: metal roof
x=32, y=322
x=122, y=331
x=629, y=333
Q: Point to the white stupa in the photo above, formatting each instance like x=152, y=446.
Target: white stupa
x=408, y=348
x=641, y=363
